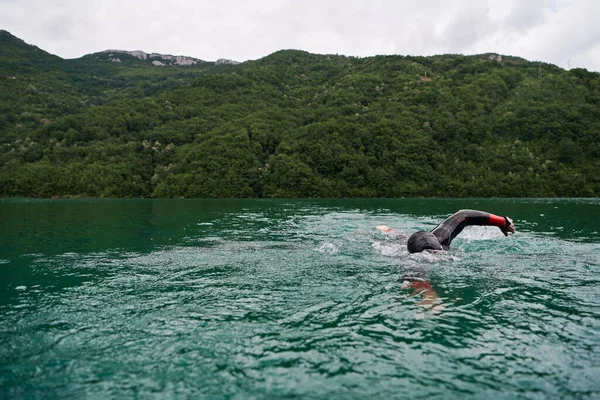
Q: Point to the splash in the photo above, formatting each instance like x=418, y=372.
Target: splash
x=328, y=248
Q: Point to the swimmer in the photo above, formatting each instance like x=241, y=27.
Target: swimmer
x=439, y=239
x=443, y=234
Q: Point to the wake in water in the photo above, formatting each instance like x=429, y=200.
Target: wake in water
x=277, y=299
x=417, y=268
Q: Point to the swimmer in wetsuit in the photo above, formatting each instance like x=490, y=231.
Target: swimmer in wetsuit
x=440, y=238
x=443, y=234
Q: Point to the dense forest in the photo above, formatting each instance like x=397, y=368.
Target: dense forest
x=295, y=124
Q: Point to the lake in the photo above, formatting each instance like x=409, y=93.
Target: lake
x=296, y=298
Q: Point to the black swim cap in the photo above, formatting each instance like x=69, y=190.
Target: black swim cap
x=422, y=240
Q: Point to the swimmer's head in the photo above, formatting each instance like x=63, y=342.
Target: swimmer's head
x=422, y=240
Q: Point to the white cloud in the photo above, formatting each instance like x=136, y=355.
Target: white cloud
x=554, y=31
x=526, y=15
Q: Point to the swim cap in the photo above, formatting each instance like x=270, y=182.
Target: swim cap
x=422, y=240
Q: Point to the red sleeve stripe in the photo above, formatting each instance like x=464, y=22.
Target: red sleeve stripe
x=496, y=220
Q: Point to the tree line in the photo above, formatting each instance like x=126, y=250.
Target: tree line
x=295, y=124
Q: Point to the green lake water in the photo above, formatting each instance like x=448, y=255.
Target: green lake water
x=295, y=298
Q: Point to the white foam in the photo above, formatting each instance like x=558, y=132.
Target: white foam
x=434, y=256
x=328, y=248
x=480, y=233
x=389, y=248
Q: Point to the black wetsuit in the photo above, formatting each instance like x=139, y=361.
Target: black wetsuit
x=441, y=237
x=453, y=225
x=443, y=234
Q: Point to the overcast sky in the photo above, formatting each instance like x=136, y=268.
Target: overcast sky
x=561, y=32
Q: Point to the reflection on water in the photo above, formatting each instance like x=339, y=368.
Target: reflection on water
x=281, y=298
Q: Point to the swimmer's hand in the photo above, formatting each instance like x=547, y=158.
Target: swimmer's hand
x=384, y=228
x=510, y=228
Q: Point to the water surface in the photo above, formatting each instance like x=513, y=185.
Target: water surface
x=295, y=298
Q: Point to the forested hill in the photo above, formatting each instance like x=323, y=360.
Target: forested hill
x=295, y=124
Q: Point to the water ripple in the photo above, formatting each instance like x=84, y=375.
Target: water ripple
x=303, y=300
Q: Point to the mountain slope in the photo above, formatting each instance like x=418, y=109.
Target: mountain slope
x=18, y=56
x=303, y=125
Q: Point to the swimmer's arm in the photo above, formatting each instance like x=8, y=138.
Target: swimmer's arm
x=510, y=228
x=505, y=224
x=473, y=217
x=430, y=296
x=394, y=233
x=453, y=225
